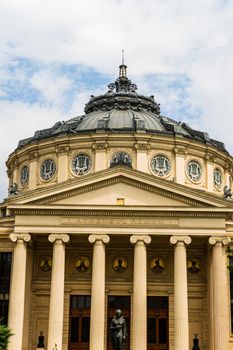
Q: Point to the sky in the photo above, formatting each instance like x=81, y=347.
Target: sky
x=54, y=54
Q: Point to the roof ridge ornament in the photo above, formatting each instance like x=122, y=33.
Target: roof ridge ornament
x=122, y=83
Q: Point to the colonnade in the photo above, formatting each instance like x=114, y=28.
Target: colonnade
x=139, y=338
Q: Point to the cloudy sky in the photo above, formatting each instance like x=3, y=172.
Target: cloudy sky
x=55, y=53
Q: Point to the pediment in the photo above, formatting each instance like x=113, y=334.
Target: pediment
x=106, y=187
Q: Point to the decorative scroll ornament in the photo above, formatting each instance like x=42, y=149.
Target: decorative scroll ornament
x=222, y=240
x=139, y=238
x=182, y=239
x=104, y=238
x=58, y=237
x=14, y=237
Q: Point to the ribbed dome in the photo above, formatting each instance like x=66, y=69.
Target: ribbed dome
x=122, y=110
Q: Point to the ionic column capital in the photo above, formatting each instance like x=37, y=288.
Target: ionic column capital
x=58, y=237
x=180, y=239
x=222, y=240
x=103, y=238
x=15, y=237
x=140, y=238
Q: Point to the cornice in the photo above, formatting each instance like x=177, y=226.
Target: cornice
x=119, y=212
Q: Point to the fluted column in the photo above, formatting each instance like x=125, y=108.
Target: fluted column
x=56, y=307
x=98, y=292
x=17, y=290
x=140, y=291
x=181, y=292
x=220, y=293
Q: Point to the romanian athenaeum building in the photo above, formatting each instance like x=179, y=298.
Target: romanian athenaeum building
x=119, y=208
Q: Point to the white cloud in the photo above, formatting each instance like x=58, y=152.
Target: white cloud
x=177, y=39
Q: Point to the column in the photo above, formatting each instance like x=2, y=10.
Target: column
x=17, y=290
x=210, y=291
x=140, y=292
x=181, y=292
x=220, y=293
x=56, y=307
x=98, y=291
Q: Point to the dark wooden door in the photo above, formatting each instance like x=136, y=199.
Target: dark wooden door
x=79, y=334
x=157, y=323
x=122, y=303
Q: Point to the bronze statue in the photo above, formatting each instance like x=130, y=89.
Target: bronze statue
x=118, y=331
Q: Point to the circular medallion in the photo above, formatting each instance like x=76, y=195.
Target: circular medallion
x=120, y=264
x=194, y=266
x=194, y=171
x=47, y=169
x=160, y=165
x=82, y=264
x=218, y=178
x=24, y=176
x=46, y=264
x=157, y=265
x=121, y=158
x=81, y=164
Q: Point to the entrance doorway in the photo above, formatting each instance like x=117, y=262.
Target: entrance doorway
x=79, y=322
x=157, y=323
x=122, y=303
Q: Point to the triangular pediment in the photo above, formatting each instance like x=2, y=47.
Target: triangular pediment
x=106, y=188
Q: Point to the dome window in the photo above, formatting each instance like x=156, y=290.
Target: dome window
x=160, y=165
x=81, y=164
x=47, y=169
x=218, y=178
x=194, y=171
x=121, y=158
x=24, y=176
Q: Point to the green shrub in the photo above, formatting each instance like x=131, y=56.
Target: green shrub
x=5, y=334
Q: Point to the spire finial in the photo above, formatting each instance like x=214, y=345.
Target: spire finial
x=123, y=67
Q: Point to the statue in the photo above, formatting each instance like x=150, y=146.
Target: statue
x=227, y=192
x=118, y=331
x=196, y=343
x=13, y=189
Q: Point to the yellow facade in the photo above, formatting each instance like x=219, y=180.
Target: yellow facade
x=119, y=231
